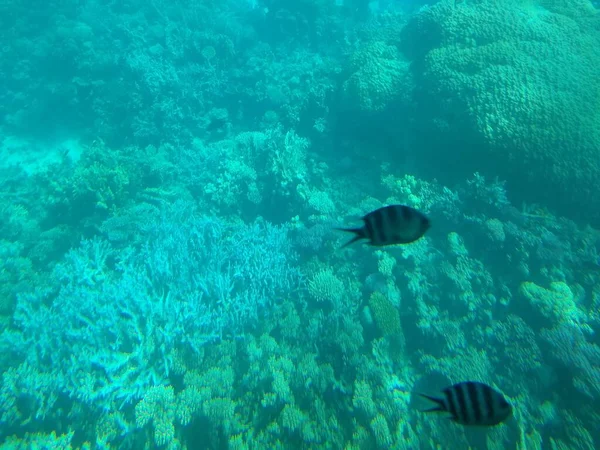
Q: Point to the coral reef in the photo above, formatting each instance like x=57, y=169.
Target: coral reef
x=171, y=177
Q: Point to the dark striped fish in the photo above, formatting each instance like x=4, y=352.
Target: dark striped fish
x=472, y=403
x=394, y=224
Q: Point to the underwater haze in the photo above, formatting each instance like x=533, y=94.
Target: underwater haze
x=174, y=176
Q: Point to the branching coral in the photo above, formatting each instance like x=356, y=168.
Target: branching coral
x=288, y=158
x=381, y=431
x=103, y=181
x=193, y=280
x=27, y=394
x=385, y=263
x=292, y=418
x=569, y=346
x=516, y=345
x=158, y=407
x=385, y=314
x=362, y=399
x=469, y=364
x=16, y=272
x=39, y=440
x=468, y=275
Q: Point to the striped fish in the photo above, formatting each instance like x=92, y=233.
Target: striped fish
x=472, y=403
x=394, y=224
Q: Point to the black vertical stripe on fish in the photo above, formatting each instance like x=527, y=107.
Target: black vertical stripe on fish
x=372, y=226
x=369, y=227
x=379, y=225
x=387, y=228
x=473, y=396
x=451, y=403
x=393, y=213
x=454, y=397
x=406, y=213
x=462, y=402
x=489, y=402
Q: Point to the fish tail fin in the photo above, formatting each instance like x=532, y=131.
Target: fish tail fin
x=360, y=234
x=440, y=404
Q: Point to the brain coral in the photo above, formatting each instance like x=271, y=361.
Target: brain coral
x=378, y=76
x=515, y=85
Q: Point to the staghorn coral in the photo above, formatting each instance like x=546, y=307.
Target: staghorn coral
x=162, y=297
x=281, y=387
x=110, y=427
x=27, y=393
x=578, y=436
x=360, y=438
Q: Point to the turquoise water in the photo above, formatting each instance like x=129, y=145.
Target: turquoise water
x=172, y=174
